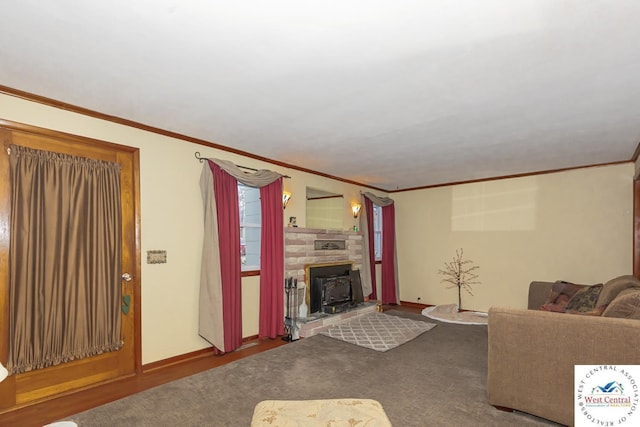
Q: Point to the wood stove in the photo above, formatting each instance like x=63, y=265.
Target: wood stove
x=333, y=287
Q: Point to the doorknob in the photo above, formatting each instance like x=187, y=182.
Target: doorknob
x=126, y=277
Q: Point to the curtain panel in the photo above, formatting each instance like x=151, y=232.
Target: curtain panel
x=220, y=305
x=369, y=285
x=210, y=319
x=65, y=259
x=225, y=190
x=389, y=259
x=272, y=262
x=389, y=279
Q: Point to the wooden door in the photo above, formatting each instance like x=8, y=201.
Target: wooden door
x=23, y=389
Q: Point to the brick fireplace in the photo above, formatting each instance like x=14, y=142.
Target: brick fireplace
x=309, y=246
x=305, y=246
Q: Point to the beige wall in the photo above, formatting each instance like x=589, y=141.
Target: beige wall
x=171, y=219
x=574, y=225
x=326, y=213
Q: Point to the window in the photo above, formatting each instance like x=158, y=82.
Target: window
x=377, y=232
x=250, y=226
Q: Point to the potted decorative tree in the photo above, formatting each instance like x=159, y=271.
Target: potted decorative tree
x=459, y=273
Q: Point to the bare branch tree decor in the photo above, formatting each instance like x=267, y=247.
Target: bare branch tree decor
x=458, y=273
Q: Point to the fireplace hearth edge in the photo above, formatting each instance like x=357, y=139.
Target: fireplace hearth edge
x=318, y=322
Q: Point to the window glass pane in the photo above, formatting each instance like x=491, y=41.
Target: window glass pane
x=377, y=232
x=250, y=231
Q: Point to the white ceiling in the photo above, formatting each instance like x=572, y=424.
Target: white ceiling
x=390, y=93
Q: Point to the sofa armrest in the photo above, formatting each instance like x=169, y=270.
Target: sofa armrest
x=532, y=355
x=538, y=294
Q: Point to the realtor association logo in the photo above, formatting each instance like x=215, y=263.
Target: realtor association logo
x=606, y=395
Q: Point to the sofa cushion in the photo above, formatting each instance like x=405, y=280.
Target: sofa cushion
x=625, y=305
x=585, y=299
x=614, y=286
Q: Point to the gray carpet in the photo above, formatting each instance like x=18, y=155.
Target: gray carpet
x=437, y=379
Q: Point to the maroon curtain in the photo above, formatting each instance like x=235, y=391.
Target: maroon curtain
x=271, y=262
x=388, y=255
x=368, y=208
x=225, y=188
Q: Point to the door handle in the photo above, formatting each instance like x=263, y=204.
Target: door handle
x=127, y=277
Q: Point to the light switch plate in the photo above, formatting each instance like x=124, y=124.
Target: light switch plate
x=156, y=257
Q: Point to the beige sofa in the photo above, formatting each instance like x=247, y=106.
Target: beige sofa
x=532, y=354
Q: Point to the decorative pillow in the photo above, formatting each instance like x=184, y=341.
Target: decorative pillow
x=560, y=294
x=613, y=287
x=557, y=308
x=585, y=299
x=625, y=305
x=593, y=312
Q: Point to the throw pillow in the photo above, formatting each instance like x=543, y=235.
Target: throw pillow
x=560, y=294
x=613, y=287
x=593, y=312
x=625, y=305
x=585, y=299
x=556, y=308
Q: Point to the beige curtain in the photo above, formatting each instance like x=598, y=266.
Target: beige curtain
x=64, y=258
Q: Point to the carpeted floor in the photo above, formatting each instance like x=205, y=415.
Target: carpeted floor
x=437, y=379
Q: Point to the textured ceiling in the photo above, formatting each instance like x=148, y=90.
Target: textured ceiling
x=391, y=94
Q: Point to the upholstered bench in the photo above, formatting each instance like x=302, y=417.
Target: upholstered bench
x=312, y=413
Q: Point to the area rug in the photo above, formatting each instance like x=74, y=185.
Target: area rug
x=378, y=331
x=449, y=313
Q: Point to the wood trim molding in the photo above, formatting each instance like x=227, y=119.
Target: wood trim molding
x=181, y=358
x=130, y=123
x=414, y=305
x=636, y=227
x=119, y=120
x=187, y=357
x=636, y=153
x=520, y=175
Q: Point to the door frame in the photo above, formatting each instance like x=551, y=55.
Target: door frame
x=133, y=260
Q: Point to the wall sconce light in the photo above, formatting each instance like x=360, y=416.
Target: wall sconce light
x=355, y=209
x=286, y=196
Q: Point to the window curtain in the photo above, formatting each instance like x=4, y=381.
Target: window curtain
x=65, y=259
x=271, y=262
x=369, y=285
x=225, y=190
x=389, y=259
x=389, y=277
x=220, y=305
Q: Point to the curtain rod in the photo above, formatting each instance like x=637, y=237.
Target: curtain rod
x=202, y=159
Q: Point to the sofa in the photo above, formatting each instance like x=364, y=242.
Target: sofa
x=532, y=352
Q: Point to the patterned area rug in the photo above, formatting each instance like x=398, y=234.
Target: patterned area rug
x=378, y=331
